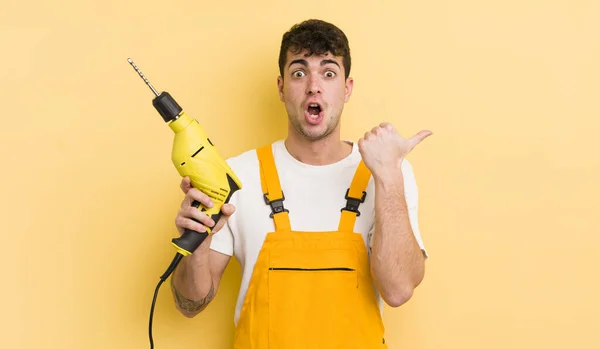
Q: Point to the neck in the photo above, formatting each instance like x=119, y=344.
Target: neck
x=324, y=151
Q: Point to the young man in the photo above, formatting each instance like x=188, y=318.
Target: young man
x=325, y=230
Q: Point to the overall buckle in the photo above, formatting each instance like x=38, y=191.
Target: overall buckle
x=276, y=205
x=353, y=203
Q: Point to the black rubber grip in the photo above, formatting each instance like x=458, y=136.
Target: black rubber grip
x=191, y=239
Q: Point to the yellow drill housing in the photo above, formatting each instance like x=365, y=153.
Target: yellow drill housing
x=195, y=156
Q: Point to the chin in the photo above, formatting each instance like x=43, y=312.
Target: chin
x=312, y=132
x=315, y=135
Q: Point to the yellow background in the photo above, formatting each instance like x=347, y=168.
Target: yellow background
x=508, y=182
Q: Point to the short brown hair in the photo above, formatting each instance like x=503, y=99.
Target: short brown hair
x=317, y=37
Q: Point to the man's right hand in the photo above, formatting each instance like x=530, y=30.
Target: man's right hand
x=195, y=281
x=187, y=211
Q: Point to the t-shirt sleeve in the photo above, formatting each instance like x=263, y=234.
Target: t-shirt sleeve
x=411, y=194
x=222, y=241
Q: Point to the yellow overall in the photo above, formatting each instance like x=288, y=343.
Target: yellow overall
x=310, y=289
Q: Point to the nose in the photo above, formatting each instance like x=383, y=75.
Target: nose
x=313, y=86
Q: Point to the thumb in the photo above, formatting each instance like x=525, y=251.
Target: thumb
x=418, y=138
x=228, y=209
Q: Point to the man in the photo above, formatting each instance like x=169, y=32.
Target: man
x=324, y=230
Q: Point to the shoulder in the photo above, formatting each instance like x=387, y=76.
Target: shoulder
x=249, y=158
x=246, y=163
x=243, y=161
x=245, y=166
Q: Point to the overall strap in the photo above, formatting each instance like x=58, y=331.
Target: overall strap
x=272, y=189
x=355, y=195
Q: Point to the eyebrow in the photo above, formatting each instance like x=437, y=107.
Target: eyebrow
x=305, y=63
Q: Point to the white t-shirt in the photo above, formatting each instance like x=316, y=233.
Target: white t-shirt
x=314, y=195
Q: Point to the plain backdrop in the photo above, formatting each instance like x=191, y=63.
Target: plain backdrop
x=508, y=182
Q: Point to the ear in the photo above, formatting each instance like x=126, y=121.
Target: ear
x=280, y=87
x=349, y=87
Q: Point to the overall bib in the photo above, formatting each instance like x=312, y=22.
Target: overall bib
x=310, y=290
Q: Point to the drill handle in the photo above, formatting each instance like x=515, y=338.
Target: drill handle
x=191, y=239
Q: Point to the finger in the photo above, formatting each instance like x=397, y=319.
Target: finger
x=185, y=184
x=418, y=138
x=199, y=196
x=387, y=126
x=186, y=223
x=194, y=213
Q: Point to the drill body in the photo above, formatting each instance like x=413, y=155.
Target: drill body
x=194, y=155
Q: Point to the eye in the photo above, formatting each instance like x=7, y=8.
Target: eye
x=330, y=73
x=298, y=74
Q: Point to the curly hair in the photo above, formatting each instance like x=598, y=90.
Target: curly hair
x=317, y=37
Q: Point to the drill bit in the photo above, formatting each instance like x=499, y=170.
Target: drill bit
x=142, y=76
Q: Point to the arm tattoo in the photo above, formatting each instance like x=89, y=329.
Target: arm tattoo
x=192, y=306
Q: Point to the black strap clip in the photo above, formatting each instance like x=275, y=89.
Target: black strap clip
x=353, y=203
x=276, y=205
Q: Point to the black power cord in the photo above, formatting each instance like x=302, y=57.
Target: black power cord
x=164, y=277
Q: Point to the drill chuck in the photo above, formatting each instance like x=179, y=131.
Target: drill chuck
x=167, y=107
x=165, y=103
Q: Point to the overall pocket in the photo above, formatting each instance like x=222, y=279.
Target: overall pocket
x=314, y=269
x=312, y=307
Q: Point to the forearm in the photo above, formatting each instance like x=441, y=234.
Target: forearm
x=192, y=285
x=397, y=263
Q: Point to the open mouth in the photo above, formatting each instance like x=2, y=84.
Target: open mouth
x=314, y=110
x=314, y=113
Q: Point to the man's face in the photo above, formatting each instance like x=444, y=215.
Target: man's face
x=314, y=90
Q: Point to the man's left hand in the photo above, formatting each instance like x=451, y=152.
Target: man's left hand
x=383, y=149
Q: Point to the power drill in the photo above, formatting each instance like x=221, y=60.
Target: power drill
x=195, y=156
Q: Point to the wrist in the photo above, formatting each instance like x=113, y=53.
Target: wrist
x=200, y=255
x=389, y=177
